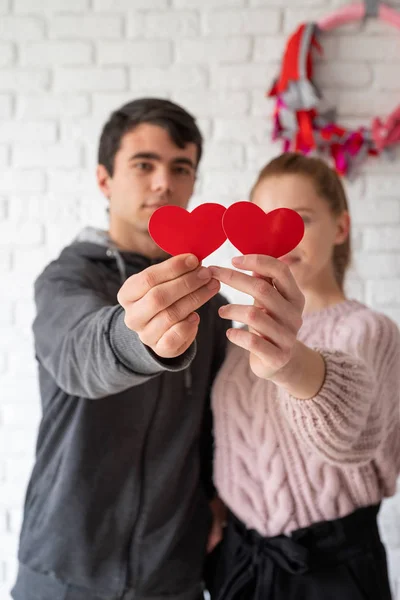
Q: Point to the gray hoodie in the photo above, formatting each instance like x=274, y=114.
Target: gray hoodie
x=117, y=504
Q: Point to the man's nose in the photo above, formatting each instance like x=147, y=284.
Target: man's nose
x=161, y=181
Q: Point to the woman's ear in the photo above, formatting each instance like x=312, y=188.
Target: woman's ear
x=103, y=181
x=342, y=228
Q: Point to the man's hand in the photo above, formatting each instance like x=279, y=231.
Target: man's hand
x=160, y=302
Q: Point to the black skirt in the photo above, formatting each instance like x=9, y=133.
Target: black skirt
x=343, y=559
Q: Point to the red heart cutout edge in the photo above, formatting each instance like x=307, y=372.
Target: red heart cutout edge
x=252, y=231
x=178, y=231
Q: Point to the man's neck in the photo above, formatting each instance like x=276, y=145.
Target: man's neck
x=133, y=240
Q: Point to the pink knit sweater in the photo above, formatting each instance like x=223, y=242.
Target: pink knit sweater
x=283, y=463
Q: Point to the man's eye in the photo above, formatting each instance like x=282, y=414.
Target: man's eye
x=182, y=171
x=143, y=166
x=306, y=220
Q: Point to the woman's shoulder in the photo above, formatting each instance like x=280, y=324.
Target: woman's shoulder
x=362, y=318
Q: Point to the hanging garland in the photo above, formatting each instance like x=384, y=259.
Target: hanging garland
x=303, y=126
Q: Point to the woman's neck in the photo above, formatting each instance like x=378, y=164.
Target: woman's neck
x=322, y=294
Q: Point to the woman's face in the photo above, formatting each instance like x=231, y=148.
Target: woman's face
x=311, y=262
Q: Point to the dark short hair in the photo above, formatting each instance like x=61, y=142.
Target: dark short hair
x=180, y=125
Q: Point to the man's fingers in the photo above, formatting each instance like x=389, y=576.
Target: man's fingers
x=177, y=312
x=178, y=338
x=164, y=297
x=140, y=284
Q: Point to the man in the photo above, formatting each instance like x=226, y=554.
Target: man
x=118, y=501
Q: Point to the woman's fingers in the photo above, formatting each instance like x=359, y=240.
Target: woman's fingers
x=258, y=320
x=272, y=358
x=274, y=270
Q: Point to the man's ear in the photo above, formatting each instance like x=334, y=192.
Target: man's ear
x=103, y=181
x=343, y=228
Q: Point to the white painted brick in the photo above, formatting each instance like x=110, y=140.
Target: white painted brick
x=158, y=53
x=383, y=292
x=5, y=261
x=172, y=25
x=386, y=77
x=202, y=103
x=246, y=130
x=294, y=16
x=14, y=519
x=18, y=470
x=343, y=75
x=4, y=160
x=5, y=106
x=228, y=184
x=380, y=48
x=86, y=27
x=284, y=4
x=377, y=266
x=12, y=131
x=359, y=103
x=25, y=234
x=234, y=49
x=14, y=181
x=18, y=29
x=81, y=129
x=58, y=155
x=261, y=105
x=375, y=211
x=51, y=106
x=393, y=313
x=6, y=54
x=257, y=156
x=56, y=53
x=24, y=80
x=382, y=239
x=208, y=3
x=355, y=289
x=87, y=79
x=49, y=208
x=24, y=316
x=8, y=546
x=382, y=185
x=5, y=6
x=3, y=208
x=242, y=22
x=48, y=6
x=242, y=77
x=103, y=104
x=174, y=77
x=223, y=156
x=126, y=5
x=76, y=182
x=14, y=442
x=269, y=48
x=7, y=313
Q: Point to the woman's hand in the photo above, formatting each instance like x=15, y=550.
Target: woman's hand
x=275, y=317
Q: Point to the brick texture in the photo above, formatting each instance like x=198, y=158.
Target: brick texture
x=66, y=64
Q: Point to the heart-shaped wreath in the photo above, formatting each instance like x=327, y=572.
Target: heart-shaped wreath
x=301, y=123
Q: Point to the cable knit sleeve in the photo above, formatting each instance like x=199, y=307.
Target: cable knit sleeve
x=348, y=419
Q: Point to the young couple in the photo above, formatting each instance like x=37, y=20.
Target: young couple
x=134, y=348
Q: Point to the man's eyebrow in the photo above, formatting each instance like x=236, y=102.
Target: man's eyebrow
x=148, y=155
x=184, y=161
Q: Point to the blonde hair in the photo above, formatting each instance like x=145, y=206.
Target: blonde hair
x=328, y=187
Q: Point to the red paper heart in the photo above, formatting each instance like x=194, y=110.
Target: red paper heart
x=252, y=231
x=178, y=231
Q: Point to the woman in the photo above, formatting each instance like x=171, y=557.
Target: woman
x=306, y=410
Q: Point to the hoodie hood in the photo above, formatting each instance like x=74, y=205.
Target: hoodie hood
x=96, y=244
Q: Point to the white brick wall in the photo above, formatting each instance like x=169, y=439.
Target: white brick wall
x=65, y=64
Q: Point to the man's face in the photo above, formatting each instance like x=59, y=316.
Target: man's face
x=149, y=171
